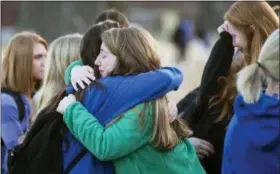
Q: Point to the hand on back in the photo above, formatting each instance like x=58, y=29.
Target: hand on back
x=203, y=148
x=81, y=75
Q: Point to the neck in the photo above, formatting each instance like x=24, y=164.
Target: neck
x=29, y=93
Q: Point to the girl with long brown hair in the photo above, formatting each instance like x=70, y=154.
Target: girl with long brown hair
x=209, y=108
x=22, y=71
x=140, y=140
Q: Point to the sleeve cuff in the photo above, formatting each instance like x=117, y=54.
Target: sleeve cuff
x=69, y=109
x=67, y=74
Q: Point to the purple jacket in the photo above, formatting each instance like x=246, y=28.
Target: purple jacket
x=11, y=127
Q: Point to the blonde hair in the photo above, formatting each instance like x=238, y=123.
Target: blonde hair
x=62, y=52
x=250, y=79
x=136, y=53
x=257, y=20
x=17, y=73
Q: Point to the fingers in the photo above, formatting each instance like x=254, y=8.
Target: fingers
x=59, y=107
x=202, y=147
x=90, y=69
x=65, y=102
x=226, y=26
x=81, y=84
x=200, y=156
x=71, y=97
x=91, y=76
x=74, y=84
x=202, y=153
x=82, y=74
x=86, y=80
x=207, y=146
x=190, y=132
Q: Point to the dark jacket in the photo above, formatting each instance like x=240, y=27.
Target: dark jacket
x=194, y=106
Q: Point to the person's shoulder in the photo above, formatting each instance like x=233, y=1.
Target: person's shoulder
x=146, y=107
x=7, y=100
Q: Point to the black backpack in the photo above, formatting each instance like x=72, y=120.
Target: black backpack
x=20, y=105
x=41, y=150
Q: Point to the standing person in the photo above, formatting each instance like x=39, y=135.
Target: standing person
x=138, y=140
x=252, y=143
x=249, y=24
x=182, y=36
x=23, y=68
x=114, y=15
x=62, y=52
x=202, y=114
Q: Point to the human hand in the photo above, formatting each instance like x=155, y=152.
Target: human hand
x=65, y=102
x=80, y=74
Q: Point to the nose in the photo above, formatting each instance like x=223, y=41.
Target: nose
x=42, y=63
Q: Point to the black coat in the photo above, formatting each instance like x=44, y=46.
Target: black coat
x=194, y=106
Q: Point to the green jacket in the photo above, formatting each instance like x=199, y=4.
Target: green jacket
x=126, y=143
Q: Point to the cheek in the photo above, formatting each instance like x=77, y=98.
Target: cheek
x=114, y=63
x=36, y=65
x=110, y=63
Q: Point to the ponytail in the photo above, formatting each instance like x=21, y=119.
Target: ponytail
x=249, y=83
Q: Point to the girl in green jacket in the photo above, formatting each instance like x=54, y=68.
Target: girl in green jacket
x=140, y=141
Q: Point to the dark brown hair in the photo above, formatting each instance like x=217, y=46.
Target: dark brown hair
x=113, y=14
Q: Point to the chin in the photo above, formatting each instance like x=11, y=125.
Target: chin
x=38, y=78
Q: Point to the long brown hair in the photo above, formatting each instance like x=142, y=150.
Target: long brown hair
x=243, y=15
x=17, y=73
x=260, y=16
x=226, y=95
x=136, y=53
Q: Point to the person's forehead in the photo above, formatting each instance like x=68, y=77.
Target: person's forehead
x=103, y=47
x=39, y=48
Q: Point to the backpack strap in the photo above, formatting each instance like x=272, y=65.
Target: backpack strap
x=75, y=160
x=19, y=102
